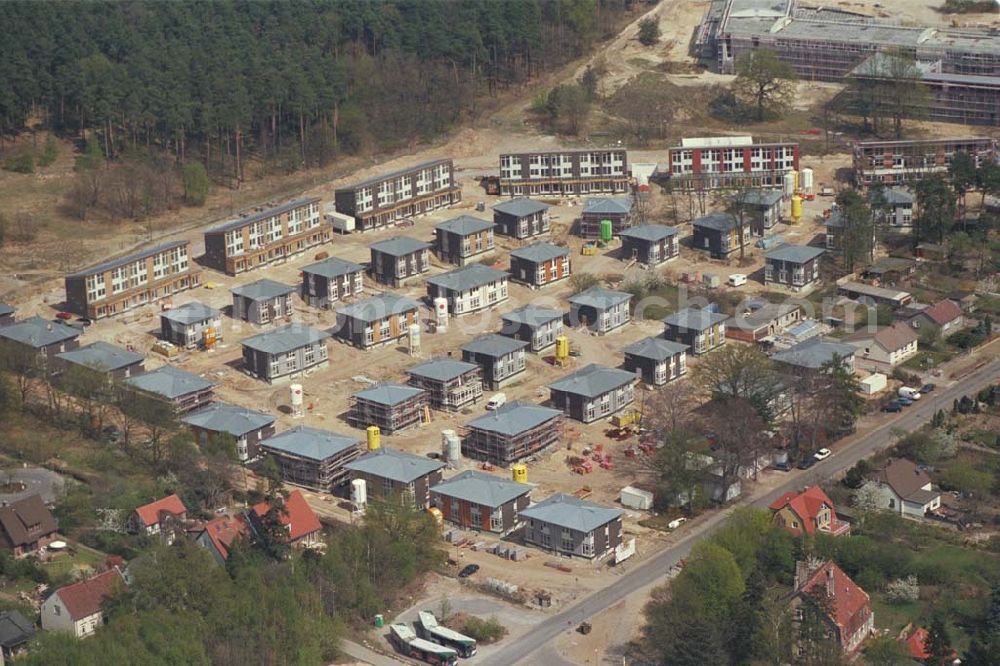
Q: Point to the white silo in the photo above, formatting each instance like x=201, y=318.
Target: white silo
x=441, y=313
x=359, y=494
x=296, y=399
x=413, y=337
x=789, y=184
x=451, y=444
x=807, y=180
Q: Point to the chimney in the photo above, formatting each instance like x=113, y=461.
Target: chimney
x=831, y=589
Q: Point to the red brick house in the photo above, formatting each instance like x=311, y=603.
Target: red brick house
x=26, y=526
x=810, y=511
x=150, y=518
x=849, y=616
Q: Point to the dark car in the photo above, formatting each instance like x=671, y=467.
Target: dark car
x=893, y=406
x=927, y=388
x=468, y=570
x=782, y=466
x=904, y=402
x=807, y=462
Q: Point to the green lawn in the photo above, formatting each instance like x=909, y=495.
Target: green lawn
x=925, y=360
x=66, y=565
x=895, y=616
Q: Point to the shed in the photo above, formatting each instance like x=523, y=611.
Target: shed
x=636, y=498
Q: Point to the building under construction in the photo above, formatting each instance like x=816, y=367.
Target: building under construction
x=709, y=163
x=515, y=431
x=450, y=383
x=901, y=162
x=391, y=407
x=826, y=43
x=312, y=458
x=566, y=172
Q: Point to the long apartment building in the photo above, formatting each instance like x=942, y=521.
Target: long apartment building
x=825, y=43
x=709, y=163
x=409, y=192
x=129, y=282
x=266, y=235
x=901, y=162
x=565, y=172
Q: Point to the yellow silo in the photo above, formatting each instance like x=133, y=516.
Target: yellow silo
x=562, y=347
x=796, y=208
x=374, y=438
x=519, y=472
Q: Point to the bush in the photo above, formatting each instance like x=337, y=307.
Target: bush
x=195, y=180
x=584, y=281
x=484, y=631
x=23, y=162
x=855, y=477
x=649, y=31
x=903, y=590
x=50, y=152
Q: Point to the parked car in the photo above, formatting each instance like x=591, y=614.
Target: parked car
x=927, y=388
x=910, y=393
x=497, y=401
x=893, y=406
x=676, y=522
x=807, y=462
x=468, y=570
x=783, y=466
x=822, y=454
x=904, y=402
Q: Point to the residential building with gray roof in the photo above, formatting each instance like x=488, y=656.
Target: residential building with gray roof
x=469, y=289
x=326, y=282
x=188, y=325
x=719, y=235
x=794, y=267
x=114, y=363
x=502, y=358
x=39, y=339
x=390, y=406
x=814, y=353
x=536, y=325
x=650, y=244
x=313, y=458
x=405, y=193
x=390, y=473
x=571, y=526
x=247, y=426
x=521, y=218
x=397, y=259
x=565, y=172
x=513, y=432
x=700, y=329
x=616, y=210
x=539, y=264
x=656, y=360
x=286, y=352
x=262, y=302
x=483, y=502
x=450, y=383
x=378, y=320
x=462, y=239
x=763, y=206
x=599, y=309
x=593, y=392
x=186, y=391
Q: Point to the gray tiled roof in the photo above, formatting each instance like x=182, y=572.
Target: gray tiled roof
x=399, y=246
x=15, y=629
x=540, y=252
x=6, y=309
x=333, y=267
x=493, y=344
x=716, y=221
x=814, y=352
x=311, y=443
x=695, y=319
x=600, y=298
x=762, y=316
x=514, y=418
x=481, y=488
x=388, y=394
x=649, y=232
x=467, y=277
x=378, y=307
x=762, y=198
x=102, y=356
x=795, y=254
x=190, y=313
x=442, y=369
x=222, y=417
x=463, y=225
x=608, y=206
x=128, y=258
x=532, y=315
x=391, y=174
x=392, y=464
x=568, y=511
x=169, y=382
x=835, y=221
x=655, y=348
x=521, y=207
x=593, y=380
x=897, y=196
x=256, y=216
x=285, y=339
x=37, y=332
x=262, y=290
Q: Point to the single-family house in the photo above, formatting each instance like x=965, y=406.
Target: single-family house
x=156, y=517
x=39, y=339
x=521, y=218
x=219, y=534
x=104, y=359
x=650, y=244
x=763, y=207
x=816, y=352
x=795, y=267
x=262, y=302
x=700, y=329
x=26, y=526
x=286, y=352
x=483, y=502
x=890, y=270
x=389, y=473
x=763, y=322
x=78, y=608
x=184, y=390
x=845, y=607
x=570, y=526
x=330, y=280
x=655, y=360
x=537, y=325
x=905, y=488
x=391, y=407
x=514, y=431
x=945, y=317
x=398, y=259
x=468, y=289
x=718, y=234
x=616, y=210
x=810, y=512
x=313, y=458
x=293, y=514
x=451, y=384
x=884, y=349
x=966, y=300
x=248, y=427
x=896, y=207
x=539, y=264
x=191, y=324
x=599, y=309
x=501, y=357
x=593, y=392
x=460, y=240
x=378, y=320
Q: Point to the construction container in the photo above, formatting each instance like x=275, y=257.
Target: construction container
x=589, y=249
x=789, y=184
x=874, y=383
x=374, y=438
x=634, y=498
x=606, y=231
x=519, y=472
x=710, y=280
x=562, y=347
x=796, y=208
x=807, y=180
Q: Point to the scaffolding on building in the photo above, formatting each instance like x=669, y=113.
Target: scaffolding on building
x=899, y=162
x=389, y=418
x=503, y=449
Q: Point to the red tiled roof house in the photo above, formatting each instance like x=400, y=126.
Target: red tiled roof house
x=848, y=611
x=297, y=518
x=810, y=511
x=77, y=608
x=219, y=534
x=150, y=518
x=944, y=316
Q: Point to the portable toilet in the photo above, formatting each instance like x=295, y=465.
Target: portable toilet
x=519, y=472
x=606, y=231
x=796, y=208
x=374, y=438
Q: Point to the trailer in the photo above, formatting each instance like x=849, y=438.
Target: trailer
x=428, y=628
x=407, y=643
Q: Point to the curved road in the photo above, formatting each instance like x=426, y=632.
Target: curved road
x=871, y=438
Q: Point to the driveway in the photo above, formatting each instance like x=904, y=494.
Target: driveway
x=38, y=481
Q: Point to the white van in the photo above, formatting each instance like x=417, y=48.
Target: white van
x=497, y=401
x=907, y=392
x=737, y=280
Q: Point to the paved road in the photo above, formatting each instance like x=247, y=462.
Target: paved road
x=37, y=481
x=366, y=656
x=876, y=434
